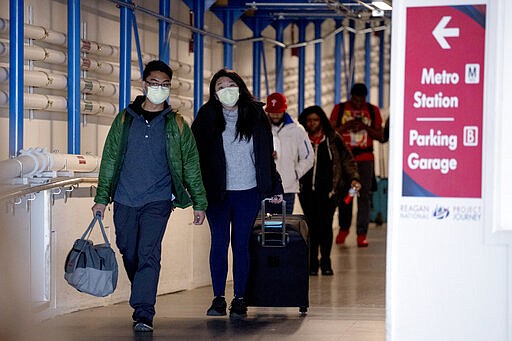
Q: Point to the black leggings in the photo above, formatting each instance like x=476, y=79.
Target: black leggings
x=319, y=212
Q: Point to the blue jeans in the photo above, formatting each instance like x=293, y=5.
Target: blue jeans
x=139, y=233
x=232, y=219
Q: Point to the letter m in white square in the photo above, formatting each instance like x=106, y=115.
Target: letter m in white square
x=472, y=73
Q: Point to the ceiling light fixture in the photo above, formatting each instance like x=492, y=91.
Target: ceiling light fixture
x=382, y=5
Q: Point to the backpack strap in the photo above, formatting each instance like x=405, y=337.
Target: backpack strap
x=180, y=121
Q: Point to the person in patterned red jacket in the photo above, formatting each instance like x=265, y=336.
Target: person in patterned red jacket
x=359, y=123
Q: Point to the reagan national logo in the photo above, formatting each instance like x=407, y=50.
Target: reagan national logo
x=441, y=212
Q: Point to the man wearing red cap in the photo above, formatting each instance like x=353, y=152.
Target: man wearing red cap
x=293, y=152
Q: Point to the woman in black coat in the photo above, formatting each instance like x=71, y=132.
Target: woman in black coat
x=235, y=145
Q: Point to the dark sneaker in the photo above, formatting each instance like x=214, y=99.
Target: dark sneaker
x=327, y=272
x=218, y=307
x=238, y=309
x=143, y=325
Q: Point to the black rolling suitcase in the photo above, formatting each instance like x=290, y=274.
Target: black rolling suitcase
x=279, y=272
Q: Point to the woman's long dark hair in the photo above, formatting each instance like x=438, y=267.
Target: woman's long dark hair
x=315, y=109
x=247, y=105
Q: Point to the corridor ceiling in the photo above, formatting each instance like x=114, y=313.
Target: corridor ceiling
x=294, y=10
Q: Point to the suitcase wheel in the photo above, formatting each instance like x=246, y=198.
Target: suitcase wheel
x=303, y=311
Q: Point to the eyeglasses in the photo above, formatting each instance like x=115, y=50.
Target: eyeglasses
x=156, y=85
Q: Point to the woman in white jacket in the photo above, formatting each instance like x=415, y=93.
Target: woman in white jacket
x=293, y=153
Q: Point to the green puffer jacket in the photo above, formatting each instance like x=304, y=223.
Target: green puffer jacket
x=182, y=155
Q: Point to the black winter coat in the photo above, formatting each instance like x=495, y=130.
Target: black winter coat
x=208, y=127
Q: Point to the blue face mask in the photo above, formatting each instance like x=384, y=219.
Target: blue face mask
x=228, y=96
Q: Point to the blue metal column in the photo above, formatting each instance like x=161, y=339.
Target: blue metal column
x=381, y=67
x=338, y=45
x=16, y=34
x=125, y=55
x=199, y=9
x=256, y=60
x=228, y=33
x=163, y=31
x=368, y=60
x=264, y=59
x=279, y=27
x=73, y=76
x=302, y=67
x=318, y=64
x=351, y=62
x=137, y=44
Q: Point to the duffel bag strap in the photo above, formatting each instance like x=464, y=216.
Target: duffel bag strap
x=98, y=217
x=88, y=231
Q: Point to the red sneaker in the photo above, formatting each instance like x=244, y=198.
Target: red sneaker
x=361, y=241
x=342, y=235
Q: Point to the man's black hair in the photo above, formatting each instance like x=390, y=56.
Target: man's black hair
x=359, y=89
x=156, y=65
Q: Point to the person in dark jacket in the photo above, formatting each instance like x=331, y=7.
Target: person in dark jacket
x=235, y=146
x=334, y=172
x=149, y=164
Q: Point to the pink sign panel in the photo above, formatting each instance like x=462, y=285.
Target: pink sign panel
x=443, y=101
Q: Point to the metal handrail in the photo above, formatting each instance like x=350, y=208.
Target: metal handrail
x=57, y=182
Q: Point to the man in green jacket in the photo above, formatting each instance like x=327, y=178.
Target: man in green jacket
x=149, y=165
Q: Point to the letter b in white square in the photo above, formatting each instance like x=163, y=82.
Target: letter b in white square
x=472, y=73
x=471, y=136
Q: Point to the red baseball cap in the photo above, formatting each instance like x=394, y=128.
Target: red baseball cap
x=276, y=103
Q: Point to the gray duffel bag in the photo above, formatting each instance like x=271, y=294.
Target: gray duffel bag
x=92, y=268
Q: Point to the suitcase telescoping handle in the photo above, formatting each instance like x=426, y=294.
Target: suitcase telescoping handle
x=273, y=226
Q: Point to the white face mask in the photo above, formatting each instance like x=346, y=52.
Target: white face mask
x=228, y=96
x=157, y=94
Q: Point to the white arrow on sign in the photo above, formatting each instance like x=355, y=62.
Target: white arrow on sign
x=440, y=32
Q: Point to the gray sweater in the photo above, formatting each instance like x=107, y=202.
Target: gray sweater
x=240, y=167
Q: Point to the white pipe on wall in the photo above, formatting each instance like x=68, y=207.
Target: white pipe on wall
x=30, y=52
x=180, y=103
x=4, y=74
x=185, y=85
x=37, y=33
x=46, y=79
x=59, y=103
x=37, y=53
x=33, y=161
x=75, y=163
x=42, y=79
x=105, y=50
x=4, y=98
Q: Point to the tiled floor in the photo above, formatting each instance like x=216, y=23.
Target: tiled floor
x=347, y=306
